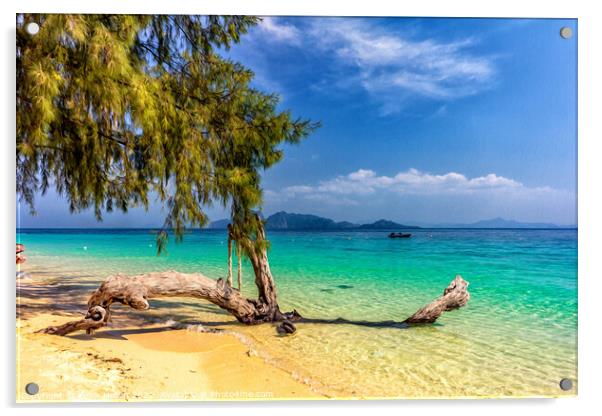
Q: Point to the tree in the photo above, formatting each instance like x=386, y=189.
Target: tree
x=113, y=110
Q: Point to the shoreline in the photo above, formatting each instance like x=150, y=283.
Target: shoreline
x=141, y=356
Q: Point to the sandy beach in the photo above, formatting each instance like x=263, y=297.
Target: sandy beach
x=136, y=363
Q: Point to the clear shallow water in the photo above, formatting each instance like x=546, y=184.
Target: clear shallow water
x=517, y=335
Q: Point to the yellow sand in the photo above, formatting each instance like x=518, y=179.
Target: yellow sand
x=152, y=363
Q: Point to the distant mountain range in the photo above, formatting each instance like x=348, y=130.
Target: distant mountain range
x=304, y=222
x=502, y=223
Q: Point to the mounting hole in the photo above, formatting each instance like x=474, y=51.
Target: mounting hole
x=566, y=32
x=566, y=384
x=32, y=28
x=32, y=389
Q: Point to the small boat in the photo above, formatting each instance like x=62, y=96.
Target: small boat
x=400, y=235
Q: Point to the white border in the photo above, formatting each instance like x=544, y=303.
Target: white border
x=590, y=207
x=458, y=8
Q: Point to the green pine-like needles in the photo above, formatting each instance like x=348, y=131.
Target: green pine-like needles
x=115, y=110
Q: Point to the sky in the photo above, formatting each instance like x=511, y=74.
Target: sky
x=423, y=121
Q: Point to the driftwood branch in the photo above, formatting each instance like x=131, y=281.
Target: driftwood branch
x=454, y=297
x=135, y=291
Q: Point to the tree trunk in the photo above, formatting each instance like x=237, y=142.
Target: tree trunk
x=229, y=278
x=267, y=302
x=239, y=268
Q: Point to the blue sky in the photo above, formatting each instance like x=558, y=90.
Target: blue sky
x=423, y=121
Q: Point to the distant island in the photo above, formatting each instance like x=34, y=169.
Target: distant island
x=305, y=222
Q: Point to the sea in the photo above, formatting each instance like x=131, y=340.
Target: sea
x=516, y=337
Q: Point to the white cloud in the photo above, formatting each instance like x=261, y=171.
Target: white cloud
x=366, y=182
x=414, y=195
x=278, y=31
x=390, y=63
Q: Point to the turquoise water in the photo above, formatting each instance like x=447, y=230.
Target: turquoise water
x=516, y=336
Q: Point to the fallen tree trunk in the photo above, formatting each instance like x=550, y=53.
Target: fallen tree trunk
x=135, y=291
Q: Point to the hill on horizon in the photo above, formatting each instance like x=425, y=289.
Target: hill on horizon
x=283, y=220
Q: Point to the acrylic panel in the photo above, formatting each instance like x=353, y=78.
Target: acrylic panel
x=258, y=208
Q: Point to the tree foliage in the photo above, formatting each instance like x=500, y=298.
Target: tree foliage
x=114, y=110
